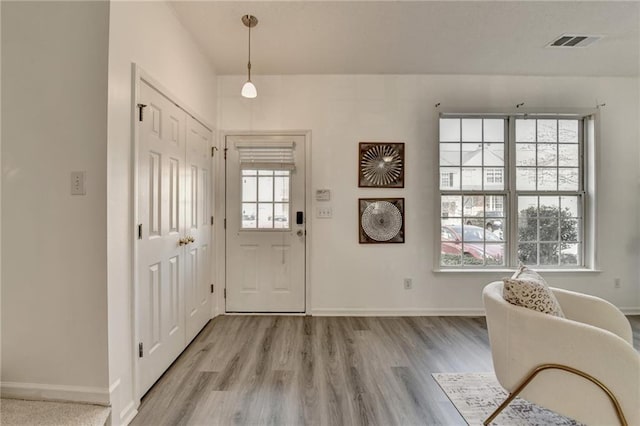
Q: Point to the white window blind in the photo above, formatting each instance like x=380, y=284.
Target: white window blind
x=266, y=155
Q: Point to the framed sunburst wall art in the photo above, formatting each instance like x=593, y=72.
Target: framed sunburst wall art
x=381, y=165
x=381, y=220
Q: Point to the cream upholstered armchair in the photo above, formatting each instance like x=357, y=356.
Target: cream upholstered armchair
x=583, y=366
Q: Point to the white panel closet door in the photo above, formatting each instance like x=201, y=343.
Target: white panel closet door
x=161, y=259
x=198, y=226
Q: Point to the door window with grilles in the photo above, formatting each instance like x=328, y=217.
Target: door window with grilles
x=265, y=199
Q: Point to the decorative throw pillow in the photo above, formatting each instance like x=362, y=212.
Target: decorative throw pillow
x=528, y=289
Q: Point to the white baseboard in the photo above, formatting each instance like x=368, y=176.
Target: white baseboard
x=413, y=312
x=128, y=413
x=407, y=312
x=46, y=392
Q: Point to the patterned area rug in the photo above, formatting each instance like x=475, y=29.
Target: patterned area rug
x=477, y=395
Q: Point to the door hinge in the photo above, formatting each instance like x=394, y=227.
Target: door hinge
x=140, y=231
x=211, y=288
x=212, y=220
x=140, y=350
x=225, y=223
x=225, y=153
x=140, y=109
x=225, y=293
x=213, y=150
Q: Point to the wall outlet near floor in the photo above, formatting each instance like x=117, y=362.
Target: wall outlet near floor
x=616, y=283
x=408, y=283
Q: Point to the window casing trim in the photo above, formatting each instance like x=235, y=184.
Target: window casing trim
x=588, y=135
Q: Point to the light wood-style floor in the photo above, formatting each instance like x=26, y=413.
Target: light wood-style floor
x=284, y=370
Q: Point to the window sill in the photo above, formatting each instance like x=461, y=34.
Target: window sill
x=502, y=271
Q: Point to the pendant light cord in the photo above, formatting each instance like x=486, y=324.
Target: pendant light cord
x=249, y=62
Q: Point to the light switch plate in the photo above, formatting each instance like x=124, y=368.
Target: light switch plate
x=78, y=183
x=324, y=212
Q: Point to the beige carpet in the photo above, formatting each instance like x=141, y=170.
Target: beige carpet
x=477, y=395
x=17, y=412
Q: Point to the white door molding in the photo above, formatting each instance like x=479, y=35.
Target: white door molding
x=220, y=209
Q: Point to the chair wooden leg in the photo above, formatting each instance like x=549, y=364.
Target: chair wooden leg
x=572, y=370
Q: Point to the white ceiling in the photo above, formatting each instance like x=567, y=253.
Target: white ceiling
x=415, y=37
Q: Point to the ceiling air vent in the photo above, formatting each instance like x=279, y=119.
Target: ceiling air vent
x=574, y=40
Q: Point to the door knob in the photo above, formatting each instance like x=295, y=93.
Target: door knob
x=183, y=241
x=190, y=239
x=300, y=233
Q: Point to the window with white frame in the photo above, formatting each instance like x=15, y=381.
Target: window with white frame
x=265, y=199
x=266, y=176
x=535, y=161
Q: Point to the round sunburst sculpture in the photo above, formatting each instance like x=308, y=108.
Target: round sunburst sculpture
x=381, y=165
x=381, y=221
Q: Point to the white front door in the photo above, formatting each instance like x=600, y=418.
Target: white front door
x=198, y=226
x=161, y=258
x=265, y=217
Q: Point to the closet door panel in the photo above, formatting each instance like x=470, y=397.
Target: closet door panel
x=161, y=258
x=198, y=227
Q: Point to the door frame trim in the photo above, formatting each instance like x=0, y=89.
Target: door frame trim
x=221, y=203
x=138, y=75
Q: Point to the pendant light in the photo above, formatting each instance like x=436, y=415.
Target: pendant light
x=249, y=90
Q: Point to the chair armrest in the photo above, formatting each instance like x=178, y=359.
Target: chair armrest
x=536, y=338
x=594, y=311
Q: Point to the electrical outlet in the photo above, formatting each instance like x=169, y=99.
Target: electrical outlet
x=324, y=212
x=408, y=283
x=77, y=183
x=616, y=283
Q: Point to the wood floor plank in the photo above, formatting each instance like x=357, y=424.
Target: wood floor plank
x=289, y=370
x=337, y=404
x=413, y=395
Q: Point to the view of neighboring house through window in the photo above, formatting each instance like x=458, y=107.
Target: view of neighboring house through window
x=542, y=174
x=472, y=158
x=494, y=175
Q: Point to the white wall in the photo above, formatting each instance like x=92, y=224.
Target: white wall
x=343, y=110
x=54, y=245
x=148, y=34
x=0, y=198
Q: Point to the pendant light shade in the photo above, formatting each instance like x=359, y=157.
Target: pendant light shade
x=249, y=89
